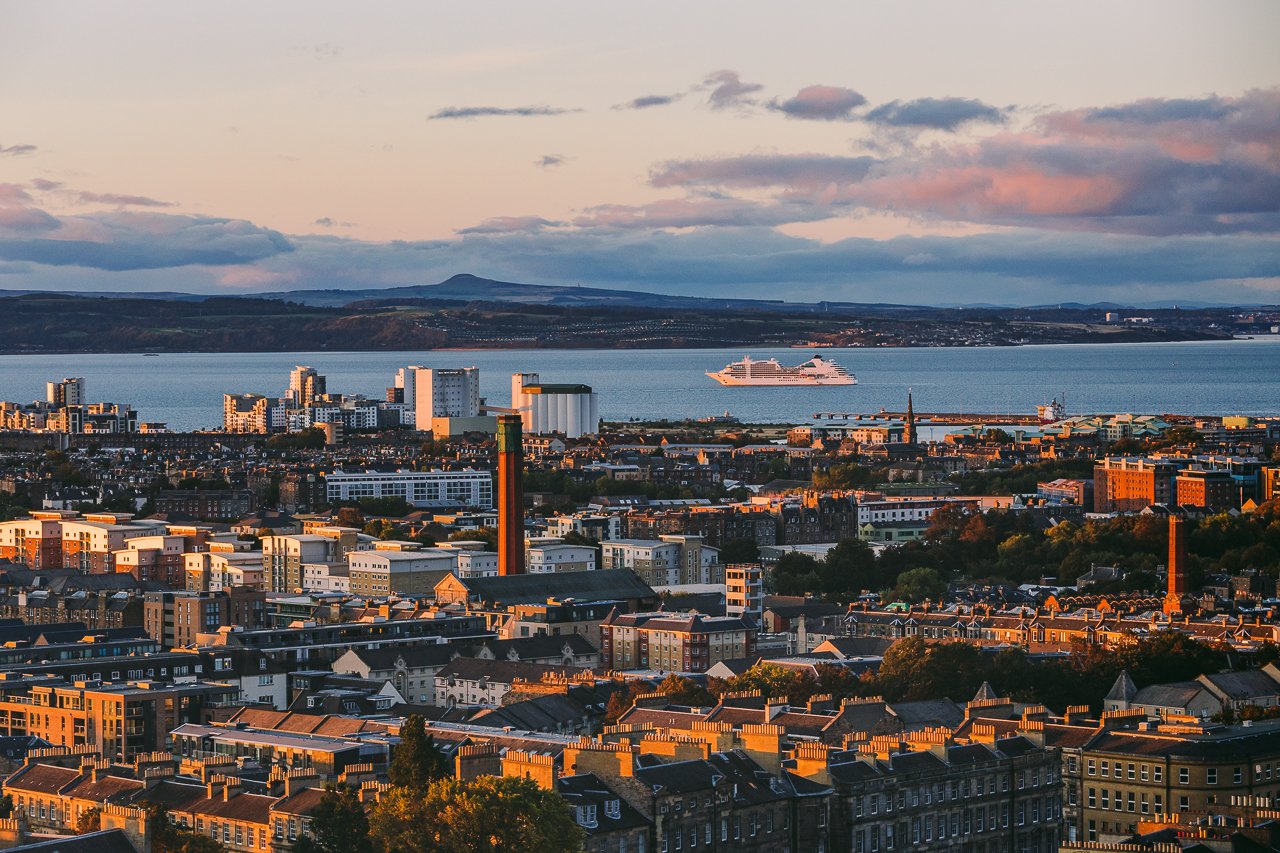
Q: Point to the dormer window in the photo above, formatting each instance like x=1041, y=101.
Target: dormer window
x=613, y=808
x=587, y=816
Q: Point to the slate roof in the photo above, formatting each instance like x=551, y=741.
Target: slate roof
x=620, y=584
x=552, y=712
x=501, y=670
x=588, y=789
x=315, y=724
x=416, y=656
x=931, y=712
x=1243, y=685
x=679, y=777
x=107, y=841
x=41, y=778
x=538, y=646
x=1174, y=694
x=1123, y=690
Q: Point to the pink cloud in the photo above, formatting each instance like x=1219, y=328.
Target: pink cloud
x=1152, y=167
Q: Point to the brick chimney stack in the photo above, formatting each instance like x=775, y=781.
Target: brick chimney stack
x=1177, y=565
x=510, y=496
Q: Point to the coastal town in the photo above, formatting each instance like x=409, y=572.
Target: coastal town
x=854, y=633
x=666, y=427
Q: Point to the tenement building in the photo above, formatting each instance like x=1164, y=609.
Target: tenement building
x=1130, y=770
x=926, y=791
x=679, y=642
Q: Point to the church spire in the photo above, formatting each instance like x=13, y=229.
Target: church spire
x=909, y=429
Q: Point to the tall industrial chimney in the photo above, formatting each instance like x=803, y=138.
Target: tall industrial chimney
x=1177, y=565
x=510, y=496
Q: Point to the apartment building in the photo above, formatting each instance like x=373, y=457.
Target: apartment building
x=670, y=560
x=927, y=792
x=673, y=642
x=556, y=618
x=306, y=384
x=691, y=798
x=1213, y=490
x=309, y=645
x=382, y=573
x=56, y=539
x=253, y=413
x=1123, y=484
x=90, y=610
x=284, y=556
x=445, y=393
x=214, y=571
x=906, y=510
x=218, y=504
x=465, y=488
x=119, y=720
x=34, y=541
x=475, y=682
x=715, y=524
x=597, y=526
x=174, y=619
x=474, y=563
x=158, y=557
x=744, y=591
x=1129, y=770
x=558, y=557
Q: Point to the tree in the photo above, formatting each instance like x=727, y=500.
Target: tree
x=487, y=535
x=621, y=700
x=913, y=669
x=90, y=820
x=166, y=837
x=348, y=516
x=739, y=551
x=849, y=568
x=416, y=761
x=6, y=806
x=843, y=475
x=775, y=682
x=338, y=824
x=486, y=815
x=915, y=585
x=795, y=574
x=685, y=691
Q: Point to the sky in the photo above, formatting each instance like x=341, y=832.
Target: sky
x=895, y=151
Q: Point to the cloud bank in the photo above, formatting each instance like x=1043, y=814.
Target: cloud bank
x=486, y=112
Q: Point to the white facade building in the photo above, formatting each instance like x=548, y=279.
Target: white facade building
x=744, y=591
x=597, y=526
x=558, y=557
x=898, y=510
x=572, y=410
x=326, y=577
x=406, y=380
x=672, y=560
x=434, y=488
x=448, y=393
x=477, y=564
x=68, y=392
x=305, y=385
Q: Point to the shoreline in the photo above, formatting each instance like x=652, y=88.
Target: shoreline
x=709, y=347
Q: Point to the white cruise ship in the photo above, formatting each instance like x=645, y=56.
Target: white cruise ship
x=815, y=371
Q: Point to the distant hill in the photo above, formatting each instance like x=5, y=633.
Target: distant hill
x=470, y=288
x=465, y=287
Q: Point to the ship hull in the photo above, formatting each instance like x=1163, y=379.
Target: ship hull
x=787, y=382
